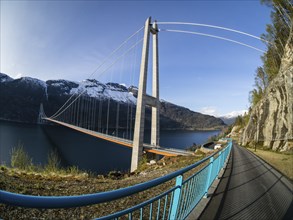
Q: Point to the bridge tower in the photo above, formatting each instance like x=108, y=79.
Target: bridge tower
x=143, y=99
x=41, y=114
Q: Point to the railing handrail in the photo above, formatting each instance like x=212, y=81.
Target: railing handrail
x=51, y=202
x=126, y=211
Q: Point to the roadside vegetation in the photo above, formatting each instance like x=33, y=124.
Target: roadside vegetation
x=20, y=159
x=52, y=180
x=22, y=162
x=275, y=37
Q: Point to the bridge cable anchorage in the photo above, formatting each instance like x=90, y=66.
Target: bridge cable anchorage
x=212, y=36
x=111, y=65
x=103, y=62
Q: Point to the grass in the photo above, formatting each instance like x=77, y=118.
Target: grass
x=22, y=163
x=47, y=182
x=282, y=162
x=20, y=159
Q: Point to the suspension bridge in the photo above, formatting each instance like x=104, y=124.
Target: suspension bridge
x=79, y=112
x=170, y=152
x=84, y=113
x=246, y=186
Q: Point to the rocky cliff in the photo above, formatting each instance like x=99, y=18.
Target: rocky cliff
x=271, y=121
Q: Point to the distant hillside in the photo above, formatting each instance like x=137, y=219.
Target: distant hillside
x=20, y=100
x=187, y=119
x=228, y=120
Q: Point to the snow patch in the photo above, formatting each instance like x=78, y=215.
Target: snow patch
x=234, y=114
x=91, y=88
x=126, y=97
x=19, y=75
x=209, y=110
x=5, y=78
x=114, y=91
x=34, y=81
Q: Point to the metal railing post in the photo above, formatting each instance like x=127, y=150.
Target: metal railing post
x=222, y=160
x=219, y=163
x=176, y=197
x=209, y=177
x=225, y=156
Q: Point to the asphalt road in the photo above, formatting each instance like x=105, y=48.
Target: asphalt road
x=250, y=189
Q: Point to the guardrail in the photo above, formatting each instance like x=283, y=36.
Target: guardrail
x=175, y=203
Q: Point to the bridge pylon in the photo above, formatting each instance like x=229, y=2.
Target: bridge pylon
x=41, y=115
x=143, y=99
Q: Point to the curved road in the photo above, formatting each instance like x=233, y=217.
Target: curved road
x=250, y=189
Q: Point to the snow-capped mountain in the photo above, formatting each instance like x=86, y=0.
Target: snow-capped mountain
x=92, y=88
x=231, y=117
x=4, y=78
x=234, y=114
x=89, y=87
x=20, y=100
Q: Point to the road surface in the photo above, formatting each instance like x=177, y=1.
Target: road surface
x=250, y=189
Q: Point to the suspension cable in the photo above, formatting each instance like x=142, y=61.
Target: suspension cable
x=112, y=64
x=223, y=28
x=102, y=63
x=213, y=36
x=216, y=27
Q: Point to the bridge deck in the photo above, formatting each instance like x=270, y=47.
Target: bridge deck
x=124, y=142
x=250, y=189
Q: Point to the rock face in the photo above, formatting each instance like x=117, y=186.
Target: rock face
x=20, y=100
x=271, y=121
x=236, y=132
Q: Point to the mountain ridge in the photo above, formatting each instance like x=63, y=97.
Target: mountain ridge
x=28, y=93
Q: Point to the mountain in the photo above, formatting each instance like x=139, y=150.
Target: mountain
x=20, y=100
x=187, y=119
x=4, y=78
x=230, y=118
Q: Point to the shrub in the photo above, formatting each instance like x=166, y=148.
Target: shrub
x=20, y=159
x=73, y=170
x=53, y=162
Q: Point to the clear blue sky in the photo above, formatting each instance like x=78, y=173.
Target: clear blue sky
x=68, y=39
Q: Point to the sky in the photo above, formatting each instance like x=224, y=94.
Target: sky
x=70, y=39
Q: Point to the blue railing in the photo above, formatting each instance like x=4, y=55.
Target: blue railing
x=175, y=203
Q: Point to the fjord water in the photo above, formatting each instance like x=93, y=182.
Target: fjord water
x=78, y=149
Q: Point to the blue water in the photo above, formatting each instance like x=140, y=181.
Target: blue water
x=74, y=148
